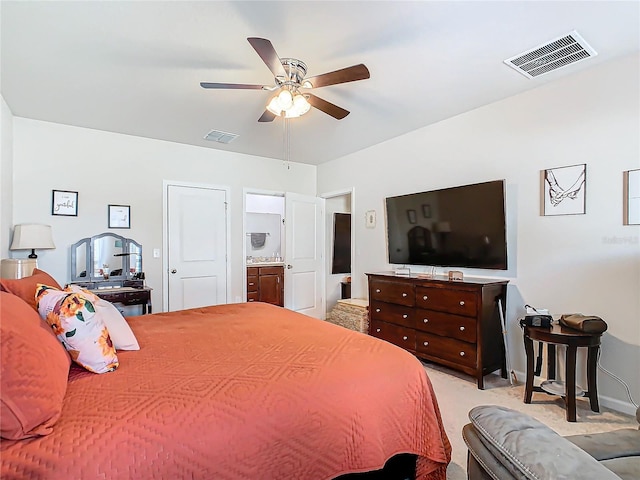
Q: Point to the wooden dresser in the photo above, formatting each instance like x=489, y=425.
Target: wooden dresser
x=453, y=323
x=266, y=284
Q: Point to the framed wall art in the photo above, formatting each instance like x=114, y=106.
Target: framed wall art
x=411, y=216
x=119, y=216
x=426, y=210
x=64, y=202
x=564, y=190
x=631, y=199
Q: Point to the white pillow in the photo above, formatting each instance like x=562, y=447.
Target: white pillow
x=121, y=334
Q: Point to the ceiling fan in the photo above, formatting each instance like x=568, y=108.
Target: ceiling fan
x=293, y=98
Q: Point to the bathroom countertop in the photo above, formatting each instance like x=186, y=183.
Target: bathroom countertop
x=265, y=264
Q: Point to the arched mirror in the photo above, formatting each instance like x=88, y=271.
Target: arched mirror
x=80, y=265
x=106, y=256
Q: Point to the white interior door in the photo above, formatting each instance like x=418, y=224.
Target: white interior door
x=304, y=247
x=197, y=246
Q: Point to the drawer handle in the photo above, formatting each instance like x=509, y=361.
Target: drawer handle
x=425, y=320
x=462, y=329
x=405, y=338
x=405, y=315
x=377, y=290
x=377, y=310
x=425, y=298
x=462, y=303
x=404, y=294
x=251, y=284
x=426, y=344
x=377, y=330
x=462, y=354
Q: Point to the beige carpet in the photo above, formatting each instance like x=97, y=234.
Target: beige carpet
x=458, y=393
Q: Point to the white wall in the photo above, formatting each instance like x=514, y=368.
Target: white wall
x=6, y=177
x=582, y=263
x=110, y=168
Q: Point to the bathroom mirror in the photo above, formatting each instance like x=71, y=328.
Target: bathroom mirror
x=106, y=256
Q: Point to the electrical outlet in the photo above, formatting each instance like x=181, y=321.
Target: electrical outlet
x=156, y=253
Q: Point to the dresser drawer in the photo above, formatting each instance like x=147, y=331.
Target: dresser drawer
x=401, y=336
x=454, y=326
x=125, y=298
x=459, y=302
x=393, y=292
x=252, y=271
x=252, y=283
x=271, y=270
x=455, y=351
x=392, y=313
x=252, y=296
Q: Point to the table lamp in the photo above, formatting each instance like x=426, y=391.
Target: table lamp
x=32, y=236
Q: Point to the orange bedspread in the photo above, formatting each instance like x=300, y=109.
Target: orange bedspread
x=243, y=391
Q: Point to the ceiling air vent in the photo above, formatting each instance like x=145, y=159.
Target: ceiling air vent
x=558, y=53
x=220, y=137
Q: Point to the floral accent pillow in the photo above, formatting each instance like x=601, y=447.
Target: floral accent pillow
x=72, y=318
x=119, y=330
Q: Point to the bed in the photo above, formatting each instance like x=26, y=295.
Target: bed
x=240, y=391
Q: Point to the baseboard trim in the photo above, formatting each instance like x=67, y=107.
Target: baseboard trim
x=617, y=405
x=613, y=403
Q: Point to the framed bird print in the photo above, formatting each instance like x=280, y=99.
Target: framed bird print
x=119, y=216
x=564, y=190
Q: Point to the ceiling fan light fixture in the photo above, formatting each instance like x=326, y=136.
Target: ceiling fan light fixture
x=300, y=106
x=274, y=106
x=288, y=105
x=286, y=99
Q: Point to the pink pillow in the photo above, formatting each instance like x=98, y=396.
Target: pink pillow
x=25, y=287
x=34, y=372
x=85, y=336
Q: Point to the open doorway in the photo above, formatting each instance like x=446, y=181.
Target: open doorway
x=264, y=239
x=340, y=246
x=301, y=254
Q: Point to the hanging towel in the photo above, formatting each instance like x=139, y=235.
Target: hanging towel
x=258, y=239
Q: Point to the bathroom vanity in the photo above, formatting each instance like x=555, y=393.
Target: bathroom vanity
x=265, y=283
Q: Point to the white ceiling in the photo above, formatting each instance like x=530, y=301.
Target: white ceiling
x=135, y=67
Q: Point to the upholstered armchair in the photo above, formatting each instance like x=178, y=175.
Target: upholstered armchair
x=505, y=444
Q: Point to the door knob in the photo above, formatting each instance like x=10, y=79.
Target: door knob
x=289, y=267
x=173, y=271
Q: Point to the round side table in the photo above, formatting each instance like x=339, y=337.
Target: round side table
x=559, y=335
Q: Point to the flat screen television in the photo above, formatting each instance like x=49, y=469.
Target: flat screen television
x=460, y=226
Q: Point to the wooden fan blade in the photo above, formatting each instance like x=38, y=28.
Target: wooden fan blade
x=344, y=75
x=327, y=107
x=268, y=54
x=235, y=86
x=267, y=116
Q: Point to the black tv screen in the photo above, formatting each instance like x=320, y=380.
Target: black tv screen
x=461, y=226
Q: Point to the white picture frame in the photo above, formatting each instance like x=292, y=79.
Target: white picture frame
x=119, y=216
x=65, y=203
x=564, y=190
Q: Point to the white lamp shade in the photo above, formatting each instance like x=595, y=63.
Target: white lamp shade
x=28, y=236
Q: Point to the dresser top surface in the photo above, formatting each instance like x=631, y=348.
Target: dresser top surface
x=441, y=279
